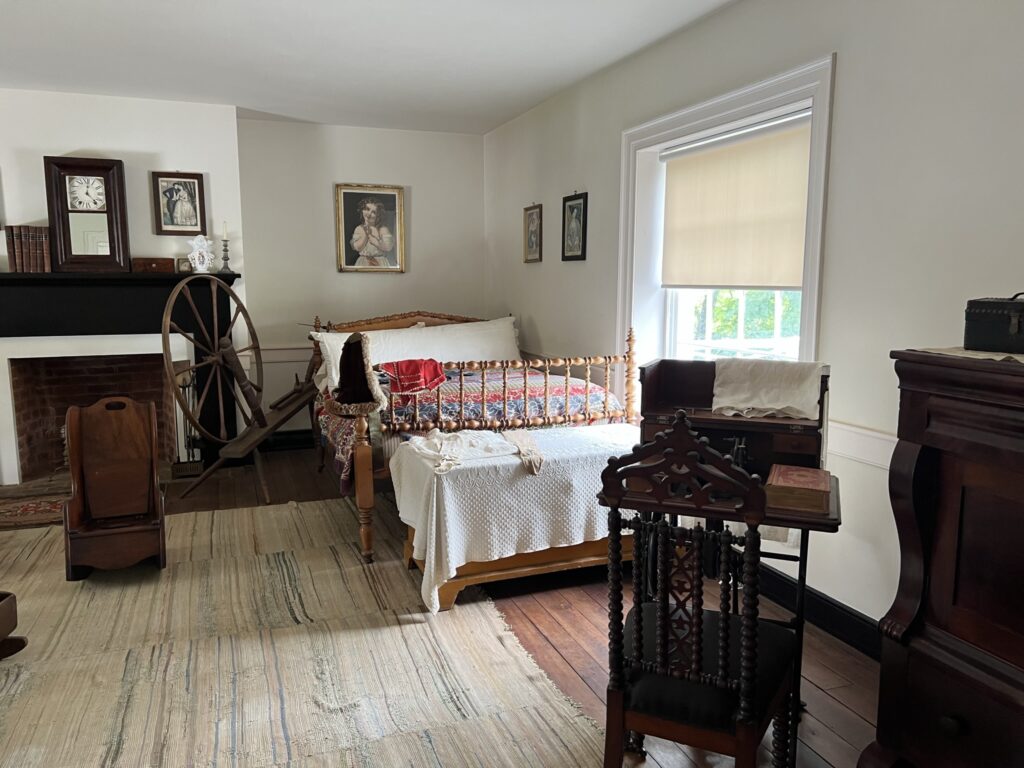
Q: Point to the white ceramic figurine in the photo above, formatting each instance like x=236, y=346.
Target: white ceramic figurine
x=201, y=257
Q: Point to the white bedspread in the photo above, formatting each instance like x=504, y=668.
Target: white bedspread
x=483, y=509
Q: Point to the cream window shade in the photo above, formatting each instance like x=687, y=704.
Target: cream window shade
x=735, y=210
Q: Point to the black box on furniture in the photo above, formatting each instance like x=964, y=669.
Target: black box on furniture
x=995, y=325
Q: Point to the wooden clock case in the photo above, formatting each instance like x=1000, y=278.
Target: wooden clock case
x=63, y=258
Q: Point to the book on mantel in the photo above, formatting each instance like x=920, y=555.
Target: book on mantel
x=798, y=489
x=28, y=248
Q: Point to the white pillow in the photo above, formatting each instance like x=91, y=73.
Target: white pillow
x=330, y=348
x=485, y=340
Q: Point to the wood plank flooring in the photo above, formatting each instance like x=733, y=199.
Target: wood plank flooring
x=561, y=620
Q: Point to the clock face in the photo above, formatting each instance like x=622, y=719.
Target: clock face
x=87, y=193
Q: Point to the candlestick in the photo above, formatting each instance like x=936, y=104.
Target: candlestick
x=224, y=246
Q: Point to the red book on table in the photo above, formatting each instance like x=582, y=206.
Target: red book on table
x=798, y=489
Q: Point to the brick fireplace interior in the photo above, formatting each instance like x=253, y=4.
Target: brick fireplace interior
x=44, y=388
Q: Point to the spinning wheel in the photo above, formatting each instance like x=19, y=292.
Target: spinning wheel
x=214, y=370
x=217, y=364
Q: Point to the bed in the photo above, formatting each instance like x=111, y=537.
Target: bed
x=489, y=517
x=359, y=434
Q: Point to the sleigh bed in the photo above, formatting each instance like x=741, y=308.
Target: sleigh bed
x=360, y=431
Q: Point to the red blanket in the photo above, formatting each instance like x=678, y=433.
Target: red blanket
x=412, y=376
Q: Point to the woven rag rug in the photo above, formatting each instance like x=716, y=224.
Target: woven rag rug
x=267, y=642
x=37, y=502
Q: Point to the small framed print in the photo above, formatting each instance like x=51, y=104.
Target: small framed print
x=179, y=203
x=533, y=233
x=574, y=227
x=183, y=265
x=370, y=227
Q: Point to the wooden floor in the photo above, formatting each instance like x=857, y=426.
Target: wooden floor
x=561, y=621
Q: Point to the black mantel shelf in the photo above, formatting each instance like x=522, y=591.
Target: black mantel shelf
x=112, y=303
x=86, y=303
x=112, y=278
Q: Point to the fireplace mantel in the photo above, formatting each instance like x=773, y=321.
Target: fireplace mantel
x=120, y=313
x=86, y=304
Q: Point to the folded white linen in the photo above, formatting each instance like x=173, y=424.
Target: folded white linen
x=766, y=388
x=492, y=507
x=529, y=453
x=446, y=450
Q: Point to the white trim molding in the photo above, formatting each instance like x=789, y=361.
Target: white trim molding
x=280, y=353
x=867, y=446
x=12, y=348
x=807, y=86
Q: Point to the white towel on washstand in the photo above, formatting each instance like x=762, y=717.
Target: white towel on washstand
x=766, y=388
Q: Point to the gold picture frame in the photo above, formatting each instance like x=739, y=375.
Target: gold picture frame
x=369, y=222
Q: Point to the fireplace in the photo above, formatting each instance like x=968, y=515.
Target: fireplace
x=57, y=325
x=43, y=388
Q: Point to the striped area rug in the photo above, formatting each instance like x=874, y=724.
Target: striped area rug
x=267, y=642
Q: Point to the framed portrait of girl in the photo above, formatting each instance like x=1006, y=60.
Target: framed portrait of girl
x=370, y=227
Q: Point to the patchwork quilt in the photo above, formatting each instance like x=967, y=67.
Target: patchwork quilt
x=523, y=401
x=483, y=400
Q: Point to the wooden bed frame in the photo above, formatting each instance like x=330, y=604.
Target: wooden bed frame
x=504, y=371
x=585, y=555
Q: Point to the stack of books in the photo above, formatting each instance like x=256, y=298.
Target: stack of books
x=798, y=490
x=28, y=248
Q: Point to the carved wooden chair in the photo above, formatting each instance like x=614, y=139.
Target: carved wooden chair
x=115, y=516
x=678, y=670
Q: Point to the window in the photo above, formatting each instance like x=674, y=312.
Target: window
x=705, y=323
x=733, y=247
x=722, y=222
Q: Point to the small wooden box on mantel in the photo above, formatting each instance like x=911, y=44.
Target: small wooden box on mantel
x=152, y=264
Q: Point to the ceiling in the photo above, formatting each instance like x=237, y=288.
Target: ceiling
x=447, y=65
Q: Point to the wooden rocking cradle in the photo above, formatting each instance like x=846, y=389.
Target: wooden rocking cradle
x=115, y=516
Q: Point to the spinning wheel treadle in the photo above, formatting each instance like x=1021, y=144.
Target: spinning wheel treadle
x=215, y=372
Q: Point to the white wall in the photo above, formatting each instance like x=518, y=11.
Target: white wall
x=924, y=201
x=288, y=173
x=148, y=135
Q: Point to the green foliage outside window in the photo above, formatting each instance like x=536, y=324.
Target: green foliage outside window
x=790, y=313
x=725, y=315
x=759, y=315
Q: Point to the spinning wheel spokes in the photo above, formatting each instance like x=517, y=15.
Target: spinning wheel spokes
x=213, y=361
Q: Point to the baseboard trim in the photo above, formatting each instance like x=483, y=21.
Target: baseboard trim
x=841, y=621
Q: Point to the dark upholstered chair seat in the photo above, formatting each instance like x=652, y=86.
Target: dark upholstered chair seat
x=699, y=705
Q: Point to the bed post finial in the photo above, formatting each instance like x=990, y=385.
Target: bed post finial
x=630, y=377
x=316, y=323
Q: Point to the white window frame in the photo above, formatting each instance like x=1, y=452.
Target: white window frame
x=672, y=319
x=808, y=86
